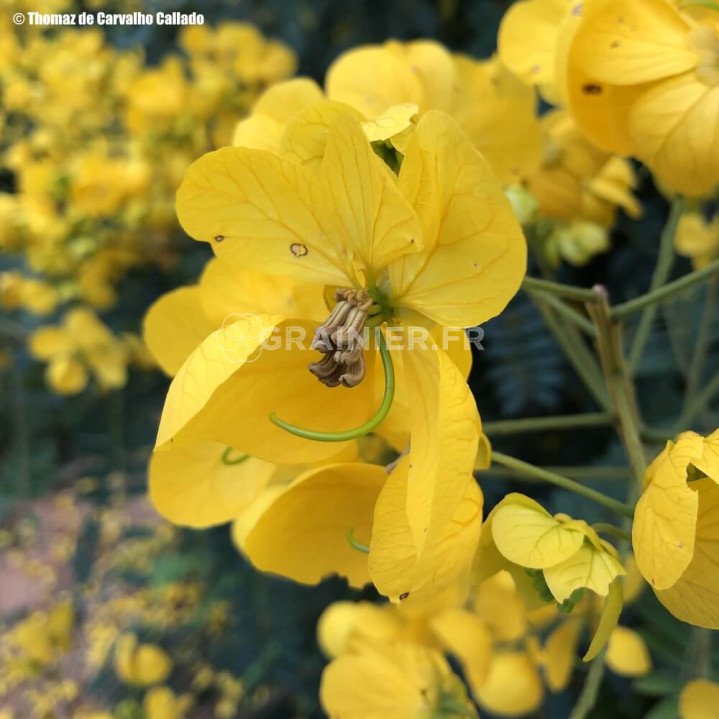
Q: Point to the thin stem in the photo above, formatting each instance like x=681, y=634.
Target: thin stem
x=569, y=314
x=579, y=294
x=370, y=424
x=672, y=288
x=590, y=690
x=564, y=482
x=539, y=424
x=22, y=432
x=697, y=405
x=585, y=365
x=607, y=528
x=578, y=473
x=229, y=460
x=621, y=388
x=665, y=260
x=701, y=345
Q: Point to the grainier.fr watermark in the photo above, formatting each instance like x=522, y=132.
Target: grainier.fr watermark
x=87, y=19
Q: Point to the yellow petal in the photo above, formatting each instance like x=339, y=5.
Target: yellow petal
x=560, y=651
x=258, y=132
x=366, y=209
x=444, y=439
x=343, y=624
x=193, y=487
x=498, y=112
x=512, y=687
x=694, y=597
x=528, y=37
x=304, y=140
x=475, y=253
x=587, y=568
x=401, y=680
x=607, y=621
x=527, y=535
x=666, y=515
x=232, y=382
x=256, y=210
x=699, y=699
x=227, y=292
x=373, y=79
x=302, y=534
x=173, y=326
x=432, y=65
x=50, y=341
x=396, y=569
x=500, y=607
x=284, y=100
x=395, y=120
x=671, y=127
x=66, y=375
x=463, y=634
x=627, y=43
x=627, y=654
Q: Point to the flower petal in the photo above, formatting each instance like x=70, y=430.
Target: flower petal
x=475, y=256
x=173, y=327
x=193, y=487
x=302, y=533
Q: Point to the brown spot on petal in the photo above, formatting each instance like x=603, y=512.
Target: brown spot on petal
x=592, y=89
x=219, y=238
x=298, y=249
x=403, y=596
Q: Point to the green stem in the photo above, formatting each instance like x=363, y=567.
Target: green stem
x=697, y=405
x=665, y=260
x=564, y=482
x=590, y=690
x=229, y=460
x=539, y=424
x=683, y=283
x=567, y=312
x=585, y=365
x=701, y=346
x=578, y=473
x=621, y=389
x=370, y=424
x=607, y=528
x=578, y=294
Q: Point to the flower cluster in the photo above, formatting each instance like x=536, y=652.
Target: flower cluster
x=94, y=143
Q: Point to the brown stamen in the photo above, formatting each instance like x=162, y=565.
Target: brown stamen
x=340, y=339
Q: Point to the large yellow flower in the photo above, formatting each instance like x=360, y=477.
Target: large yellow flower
x=644, y=81
x=437, y=245
x=676, y=528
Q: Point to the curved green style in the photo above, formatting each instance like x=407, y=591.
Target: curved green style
x=226, y=459
x=370, y=424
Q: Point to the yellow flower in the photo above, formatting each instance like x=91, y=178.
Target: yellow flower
x=698, y=699
x=437, y=245
x=162, y=703
x=400, y=680
x=492, y=106
x=83, y=343
x=513, y=686
x=697, y=239
x=141, y=664
x=675, y=528
x=644, y=80
x=576, y=181
x=627, y=654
